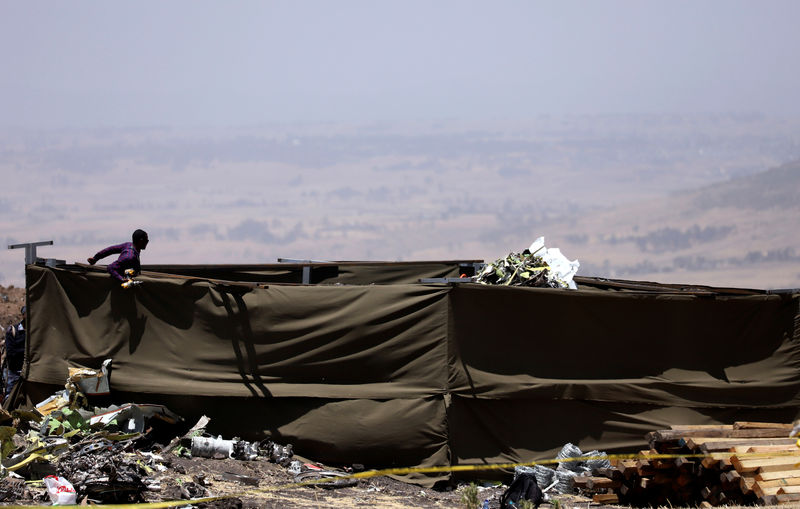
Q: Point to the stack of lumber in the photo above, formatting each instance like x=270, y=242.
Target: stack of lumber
x=739, y=464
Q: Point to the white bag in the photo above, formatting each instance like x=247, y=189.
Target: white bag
x=60, y=490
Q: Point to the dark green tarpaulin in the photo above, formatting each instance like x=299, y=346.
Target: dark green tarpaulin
x=422, y=374
x=350, y=273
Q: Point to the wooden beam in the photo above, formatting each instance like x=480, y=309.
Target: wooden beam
x=667, y=434
x=773, y=475
x=761, y=425
x=765, y=464
x=722, y=445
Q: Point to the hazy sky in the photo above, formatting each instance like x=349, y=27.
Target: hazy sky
x=221, y=63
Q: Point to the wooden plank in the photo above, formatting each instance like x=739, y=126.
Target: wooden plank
x=746, y=484
x=771, y=476
x=791, y=481
x=581, y=481
x=732, y=476
x=763, y=492
x=762, y=425
x=724, y=445
x=766, y=464
x=740, y=449
x=667, y=434
x=687, y=427
x=791, y=454
x=788, y=489
x=627, y=467
x=596, y=483
x=605, y=498
x=743, y=468
x=604, y=472
x=700, y=441
x=788, y=497
x=644, y=468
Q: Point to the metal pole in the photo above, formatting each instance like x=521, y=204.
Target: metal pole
x=30, y=249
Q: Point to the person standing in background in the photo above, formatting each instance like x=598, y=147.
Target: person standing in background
x=14, y=354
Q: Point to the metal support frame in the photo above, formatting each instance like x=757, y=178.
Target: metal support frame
x=30, y=249
x=470, y=279
x=306, y=267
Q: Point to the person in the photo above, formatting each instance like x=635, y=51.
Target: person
x=128, y=257
x=15, y=354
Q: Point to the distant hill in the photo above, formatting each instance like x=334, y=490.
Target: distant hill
x=776, y=188
x=744, y=232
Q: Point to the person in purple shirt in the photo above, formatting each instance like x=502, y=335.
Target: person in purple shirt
x=128, y=257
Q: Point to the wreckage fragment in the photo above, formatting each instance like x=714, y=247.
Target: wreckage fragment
x=536, y=266
x=218, y=448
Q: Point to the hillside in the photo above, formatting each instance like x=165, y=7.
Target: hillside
x=744, y=232
x=11, y=300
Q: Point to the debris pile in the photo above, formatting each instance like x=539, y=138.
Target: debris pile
x=78, y=453
x=740, y=464
x=536, y=266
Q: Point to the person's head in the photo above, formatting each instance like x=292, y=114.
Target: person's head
x=140, y=239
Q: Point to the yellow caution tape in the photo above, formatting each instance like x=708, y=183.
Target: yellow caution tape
x=432, y=470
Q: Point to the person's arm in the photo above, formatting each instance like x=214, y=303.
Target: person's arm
x=117, y=268
x=105, y=252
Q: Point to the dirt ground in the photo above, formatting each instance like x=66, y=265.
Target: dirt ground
x=262, y=484
x=276, y=488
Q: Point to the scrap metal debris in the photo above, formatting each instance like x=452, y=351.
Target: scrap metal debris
x=77, y=453
x=536, y=266
x=12, y=489
x=325, y=478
